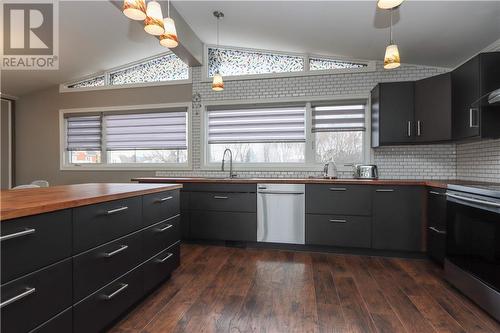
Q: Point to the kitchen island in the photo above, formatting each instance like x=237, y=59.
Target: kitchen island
x=77, y=257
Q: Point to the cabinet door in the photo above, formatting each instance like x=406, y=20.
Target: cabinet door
x=433, y=108
x=397, y=218
x=231, y=226
x=466, y=90
x=490, y=80
x=396, y=113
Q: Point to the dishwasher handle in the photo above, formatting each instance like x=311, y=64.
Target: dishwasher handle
x=280, y=192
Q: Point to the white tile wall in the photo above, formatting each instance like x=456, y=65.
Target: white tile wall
x=408, y=162
x=479, y=161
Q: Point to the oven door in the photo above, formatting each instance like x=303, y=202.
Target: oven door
x=473, y=236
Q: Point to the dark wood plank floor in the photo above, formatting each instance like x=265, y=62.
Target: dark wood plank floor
x=220, y=289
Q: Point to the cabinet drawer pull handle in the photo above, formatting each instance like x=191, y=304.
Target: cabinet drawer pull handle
x=419, y=128
x=120, y=249
x=16, y=298
x=442, y=232
x=168, y=226
x=436, y=193
x=409, y=129
x=123, y=286
x=337, y=189
x=116, y=210
x=384, y=190
x=164, y=199
x=220, y=197
x=338, y=221
x=161, y=261
x=471, y=117
x=17, y=234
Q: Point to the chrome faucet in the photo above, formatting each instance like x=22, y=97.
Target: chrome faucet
x=231, y=174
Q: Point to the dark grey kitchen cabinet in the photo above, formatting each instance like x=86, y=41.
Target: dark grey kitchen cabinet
x=433, y=109
x=470, y=81
x=226, y=226
x=338, y=199
x=436, y=224
x=335, y=230
x=397, y=218
x=393, y=108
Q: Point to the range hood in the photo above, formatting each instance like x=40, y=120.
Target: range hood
x=489, y=99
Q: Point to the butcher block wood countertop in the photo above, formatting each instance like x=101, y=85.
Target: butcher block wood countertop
x=393, y=182
x=31, y=201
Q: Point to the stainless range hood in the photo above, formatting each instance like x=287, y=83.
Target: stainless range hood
x=494, y=97
x=489, y=99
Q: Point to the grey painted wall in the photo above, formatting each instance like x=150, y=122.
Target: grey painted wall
x=37, y=130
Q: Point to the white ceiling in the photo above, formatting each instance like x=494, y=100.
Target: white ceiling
x=94, y=36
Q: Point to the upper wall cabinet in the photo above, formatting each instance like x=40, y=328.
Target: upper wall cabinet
x=471, y=81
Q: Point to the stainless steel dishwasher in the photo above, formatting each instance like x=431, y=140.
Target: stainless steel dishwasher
x=281, y=213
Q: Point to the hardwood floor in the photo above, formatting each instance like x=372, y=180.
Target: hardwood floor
x=220, y=289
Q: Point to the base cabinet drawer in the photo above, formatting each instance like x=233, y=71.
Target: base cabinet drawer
x=33, y=299
x=30, y=243
x=97, y=267
x=223, y=201
x=63, y=323
x=436, y=244
x=96, y=312
x=160, y=236
x=223, y=226
x=159, y=268
x=338, y=199
x=94, y=225
x=336, y=230
x=160, y=206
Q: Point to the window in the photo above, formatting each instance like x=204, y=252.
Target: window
x=247, y=63
x=257, y=135
x=316, y=64
x=299, y=135
x=339, y=131
x=117, y=138
x=164, y=68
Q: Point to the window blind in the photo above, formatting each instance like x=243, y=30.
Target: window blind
x=257, y=125
x=146, y=131
x=338, y=118
x=83, y=132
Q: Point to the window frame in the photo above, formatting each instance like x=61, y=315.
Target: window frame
x=63, y=155
x=64, y=87
x=310, y=163
x=370, y=65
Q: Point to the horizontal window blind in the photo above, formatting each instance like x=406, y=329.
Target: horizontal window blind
x=146, y=131
x=258, y=125
x=338, y=118
x=83, y=132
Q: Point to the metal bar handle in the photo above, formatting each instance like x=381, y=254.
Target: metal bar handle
x=281, y=192
x=116, y=292
x=115, y=252
x=338, y=221
x=436, y=193
x=409, y=128
x=161, y=261
x=168, y=226
x=384, y=190
x=164, y=199
x=419, y=127
x=17, y=234
x=442, y=232
x=478, y=201
x=16, y=298
x=220, y=197
x=471, y=117
x=337, y=189
x=116, y=210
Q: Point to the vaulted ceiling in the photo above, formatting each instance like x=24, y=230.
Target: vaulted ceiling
x=95, y=36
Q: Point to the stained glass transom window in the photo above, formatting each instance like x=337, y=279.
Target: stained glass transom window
x=165, y=68
x=316, y=64
x=96, y=81
x=231, y=62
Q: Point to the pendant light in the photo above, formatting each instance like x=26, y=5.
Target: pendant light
x=154, y=19
x=391, y=59
x=218, y=83
x=389, y=4
x=169, y=37
x=135, y=9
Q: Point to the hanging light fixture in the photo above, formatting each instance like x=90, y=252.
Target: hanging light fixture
x=169, y=37
x=135, y=9
x=391, y=58
x=154, y=19
x=388, y=4
x=218, y=83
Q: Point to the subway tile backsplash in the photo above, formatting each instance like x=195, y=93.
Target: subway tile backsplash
x=477, y=161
